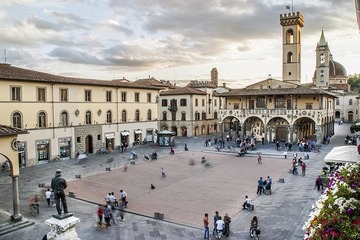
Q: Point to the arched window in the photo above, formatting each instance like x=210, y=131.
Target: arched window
x=289, y=57
x=42, y=119
x=137, y=116
x=350, y=102
x=337, y=101
x=64, y=121
x=290, y=36
x=16, y=120
x=123, y=116
x=164, y=116
x=108, y=117
x=88, y=117
x=149, y=115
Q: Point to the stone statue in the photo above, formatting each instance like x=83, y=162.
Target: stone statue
x=58, y=184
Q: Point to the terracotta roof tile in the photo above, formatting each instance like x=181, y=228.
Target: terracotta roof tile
x=9, y=131
x=182, y=91
x=9, y=72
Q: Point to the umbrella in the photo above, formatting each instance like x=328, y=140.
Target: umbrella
x=343, y=154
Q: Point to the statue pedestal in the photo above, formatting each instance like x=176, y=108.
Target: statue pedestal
x=62, y=228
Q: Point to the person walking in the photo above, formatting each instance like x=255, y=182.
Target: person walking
x=107, y=216
x=37, y=203
x=123, y=196
x=216, y=217
x=260, y=186
x=163, y=175
x=227, y=221
x=48, y=196
x=100, y=214
x=206, y=226
x=303, y=168
x=318, y=183
x=259, y=159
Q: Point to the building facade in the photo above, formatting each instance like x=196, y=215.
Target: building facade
x=280, y=110
x=65, y=116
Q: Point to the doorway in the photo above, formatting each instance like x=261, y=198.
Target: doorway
x=89, y=144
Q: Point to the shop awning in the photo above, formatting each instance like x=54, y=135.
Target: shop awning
x=343, y=154
x=109, y=135
x=138, y=132
x=125, y=133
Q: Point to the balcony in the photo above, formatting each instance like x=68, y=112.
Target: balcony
x=172, y=108
x=243, y=114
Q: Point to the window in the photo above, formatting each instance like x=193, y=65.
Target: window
x=64, y=121
x=42, y=119
x=123, y=96
x=123, y=116
x=16, y=120
x=183, y=102
x=164, y=103
x=164, y=116
x=288, y=104
x=289, y=57
x=183, y=116
x=260, y=102
x=337, y=101
x=197, y=115
x=87, y=95
x=251, y=104
x=137, y=115
x=196, y=102
x=63, y=95
x=109, y=116
x=236, y=105
x=215, y=115
x=88, y=117
x=173, y=116
x=203, y=102
x=137, y=97
x=108, y=96
x=279, y=102
x=203, y=115
x=308, y=106
x=149, y=115
x=350, y=102
x=149, y=97
x=15, y=94
x=290, y=36
x=215, y=102
x=78, y=139
x=41, y=94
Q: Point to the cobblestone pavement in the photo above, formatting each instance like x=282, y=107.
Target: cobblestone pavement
x=183, y=196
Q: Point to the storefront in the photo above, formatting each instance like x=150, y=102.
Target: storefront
x=138, y=137
x=149, y=135
x=166, y=138
x=124, y=137
x=42, y=150
x=21, y=149
x=110, y=141
x=65, y=148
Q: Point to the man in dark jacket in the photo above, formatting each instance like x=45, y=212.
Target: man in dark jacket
x=58, y=184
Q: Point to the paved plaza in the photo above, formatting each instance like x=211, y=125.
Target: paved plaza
x=183, y=196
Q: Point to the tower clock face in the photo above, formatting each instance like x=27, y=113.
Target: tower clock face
x=322, y=58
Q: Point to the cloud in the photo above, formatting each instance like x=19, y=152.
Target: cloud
x=115, y=25
x=75, y=56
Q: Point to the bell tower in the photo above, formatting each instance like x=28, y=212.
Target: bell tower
x=214, y=77
x=322, y=62
x=291, y=34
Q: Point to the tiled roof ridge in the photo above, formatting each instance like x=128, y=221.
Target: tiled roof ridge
x=9, y=131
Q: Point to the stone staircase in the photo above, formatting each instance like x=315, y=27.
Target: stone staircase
x=7, y=226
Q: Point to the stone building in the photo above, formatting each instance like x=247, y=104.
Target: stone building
x=64, y=116
x=280, y=110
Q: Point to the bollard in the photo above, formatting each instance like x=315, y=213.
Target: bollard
x=41, y=185
x=72, y=194
x=161, y=216
x=108, y=169
x=78, y=176
x=281, y=180
x=156, y=215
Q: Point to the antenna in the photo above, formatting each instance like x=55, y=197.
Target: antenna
x=5, y=55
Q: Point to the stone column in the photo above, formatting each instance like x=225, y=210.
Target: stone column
x=291, y=132
x=242, y=129
x=15, y=187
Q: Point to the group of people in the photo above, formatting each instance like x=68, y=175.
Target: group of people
x=6, y=166
x=263, y=185
x=298, y=162
x=108, y=212
x=220, y=225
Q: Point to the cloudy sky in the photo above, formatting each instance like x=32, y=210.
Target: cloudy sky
x=171, y=39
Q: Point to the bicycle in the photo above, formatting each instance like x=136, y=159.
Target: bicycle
x=34, y=209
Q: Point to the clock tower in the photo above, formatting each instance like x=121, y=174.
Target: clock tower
x=322, y=62
x=291, y=31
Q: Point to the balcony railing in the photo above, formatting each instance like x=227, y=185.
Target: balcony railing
x=244, y=113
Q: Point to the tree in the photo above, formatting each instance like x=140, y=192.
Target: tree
x=354, y=81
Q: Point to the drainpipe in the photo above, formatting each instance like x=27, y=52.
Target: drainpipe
x=53, y=107
x=117, y=111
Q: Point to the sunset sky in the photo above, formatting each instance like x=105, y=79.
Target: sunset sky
x=171, y=39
